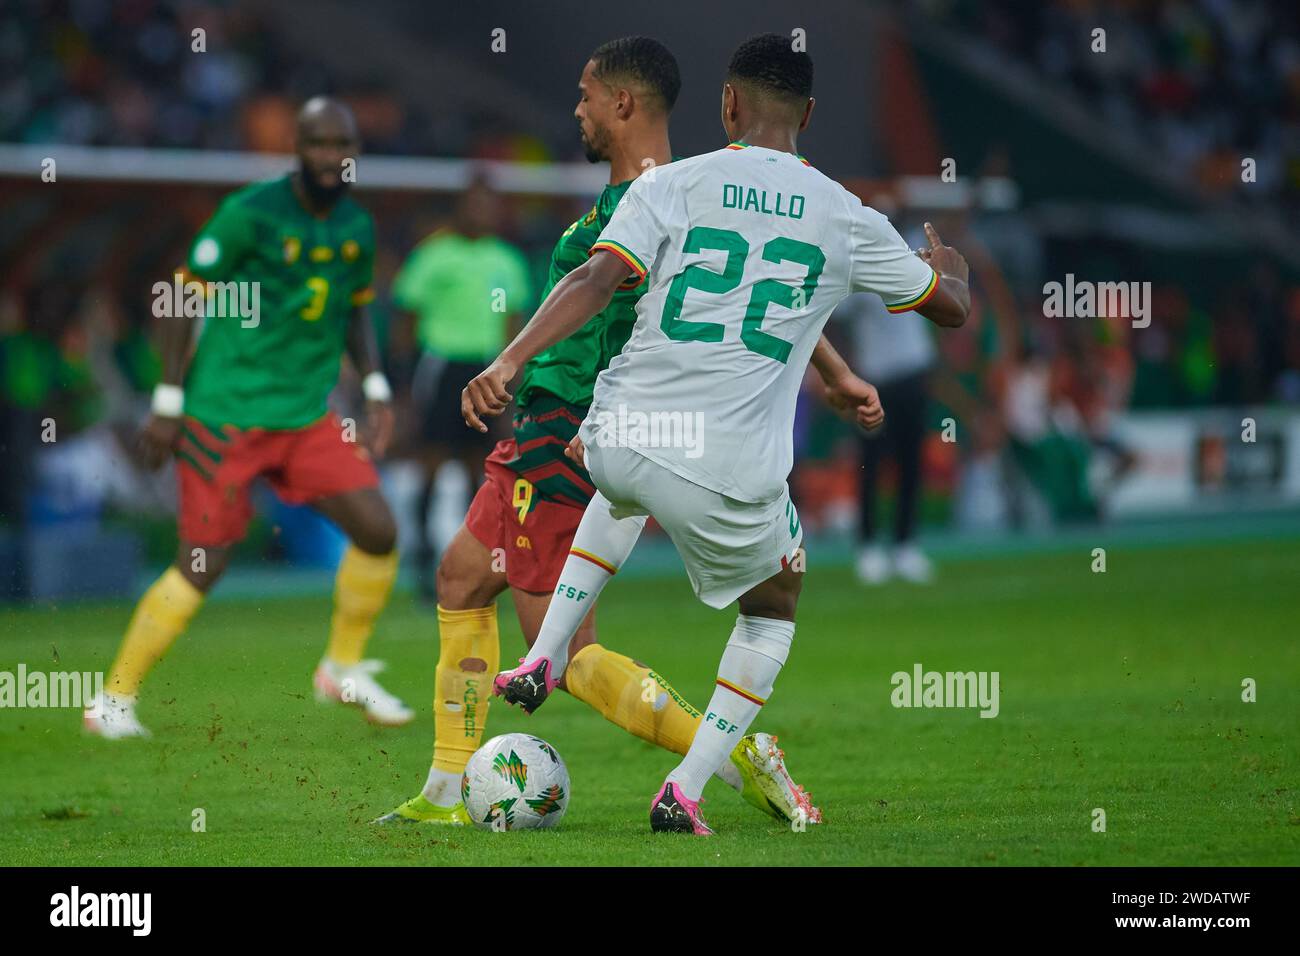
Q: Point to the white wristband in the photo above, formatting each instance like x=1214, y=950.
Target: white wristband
x=168, y=400
x=376, y=388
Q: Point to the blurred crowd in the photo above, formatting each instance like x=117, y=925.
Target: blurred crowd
x=1034, y=398
x=119, y=73
x=1206, y=82
x=76, y=342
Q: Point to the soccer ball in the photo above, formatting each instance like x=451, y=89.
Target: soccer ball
x=515, y=782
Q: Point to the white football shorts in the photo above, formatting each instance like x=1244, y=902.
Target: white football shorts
x=728, y=546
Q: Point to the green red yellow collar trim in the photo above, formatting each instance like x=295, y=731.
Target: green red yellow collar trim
x=740, y=144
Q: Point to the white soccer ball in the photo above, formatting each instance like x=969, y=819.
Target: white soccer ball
x=515, y=782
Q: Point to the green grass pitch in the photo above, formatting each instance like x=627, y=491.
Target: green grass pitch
x=1120, y=691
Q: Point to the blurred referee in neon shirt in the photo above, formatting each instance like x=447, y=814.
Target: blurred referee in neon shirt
x=465, y=288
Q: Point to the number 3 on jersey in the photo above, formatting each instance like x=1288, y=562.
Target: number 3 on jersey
x=766, y=291
x=320, y=291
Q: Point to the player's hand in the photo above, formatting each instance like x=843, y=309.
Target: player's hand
x=856, y=400
x=157, y=439
x=944, y=260
x=486, y=394
x=379, y=428
x=576, y=451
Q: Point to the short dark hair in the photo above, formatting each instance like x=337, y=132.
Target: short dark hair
x=643, y=59
x=770, y=63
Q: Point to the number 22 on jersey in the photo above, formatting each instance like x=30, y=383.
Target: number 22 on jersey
x=766, y=291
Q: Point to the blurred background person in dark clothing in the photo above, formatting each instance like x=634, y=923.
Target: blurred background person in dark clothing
x=896, y=354
x=464, y=288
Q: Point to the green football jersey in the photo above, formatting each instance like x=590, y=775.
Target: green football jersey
x=568, y=369
x=305, y=275
x=558, y=384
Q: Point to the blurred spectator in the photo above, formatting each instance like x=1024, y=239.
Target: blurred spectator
x=895, y=353
x=1047, y=443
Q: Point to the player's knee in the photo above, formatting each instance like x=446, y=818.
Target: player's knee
x=776, y=607
x=451, y=586
x=205, y=580
x=777, y=597
x=378, y=535
x=461, y=587
x=201, y=566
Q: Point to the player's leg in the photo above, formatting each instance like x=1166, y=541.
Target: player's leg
x=530, y=606
x=163, y=613
x=600, y=546
x=323, y=466
x=361, y=588
x=470, y=577
x=732, y=551
x=624, y=691
x=755, y=653
x=213, y=470
x=469, y=651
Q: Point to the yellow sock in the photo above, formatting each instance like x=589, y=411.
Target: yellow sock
x=160, y=617
x=360, y=593
x=469, y=658
x=616, y=686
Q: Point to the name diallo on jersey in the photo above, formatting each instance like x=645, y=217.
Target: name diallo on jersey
x=750, y=199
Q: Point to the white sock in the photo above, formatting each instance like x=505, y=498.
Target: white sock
x=600, y=546
x=729, y=775
x=442, y=788
x=753, y=657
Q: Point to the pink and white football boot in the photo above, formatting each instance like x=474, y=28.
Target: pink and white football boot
x=528, y=686
x=671, y=812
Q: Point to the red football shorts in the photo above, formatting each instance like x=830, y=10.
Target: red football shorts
x=215, y=469
x=534, y=533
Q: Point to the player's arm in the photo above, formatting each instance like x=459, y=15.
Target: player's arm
x=848, y=394
x=935, y=286
x=363, y=349
x=218, y=249
x=162, y=428
x=574, y=300
x=950, y=304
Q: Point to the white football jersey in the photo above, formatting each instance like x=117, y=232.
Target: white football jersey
x=747, y=250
